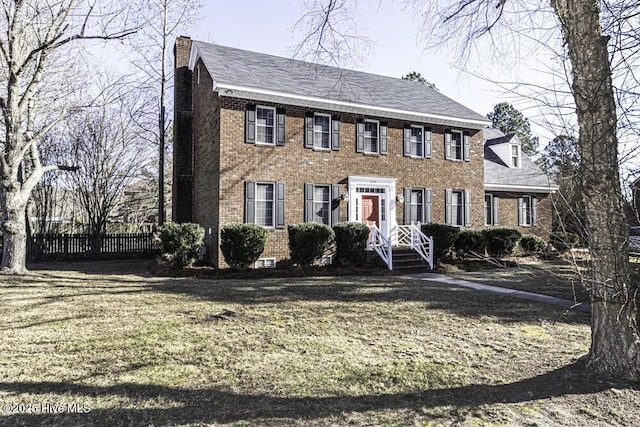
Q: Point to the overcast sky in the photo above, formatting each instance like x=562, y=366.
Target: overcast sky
x=267, y=27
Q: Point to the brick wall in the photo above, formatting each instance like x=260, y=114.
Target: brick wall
x=206, y=159
x=508, y=213
x=181, y=206
x=296, y=165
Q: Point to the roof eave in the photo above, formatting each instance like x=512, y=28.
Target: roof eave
x=235, y=91
x=521, y=188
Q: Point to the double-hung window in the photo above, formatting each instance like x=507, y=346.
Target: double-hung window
x=264, y=203
x=417, y=205
x=370, y=136
x=265, y=125
x=322, y=131
x=265, y=198
x=457, y=145
x=417, y=141
x=515, y=156
x=527, y=211
x=491, y=204
x=321, y=203
x=458, y=208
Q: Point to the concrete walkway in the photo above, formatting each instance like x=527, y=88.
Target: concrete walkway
x=441, y=278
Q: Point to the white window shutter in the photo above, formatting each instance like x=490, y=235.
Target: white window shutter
x=467, y=208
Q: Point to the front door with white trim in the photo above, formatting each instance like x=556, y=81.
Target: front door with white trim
x=371, y=201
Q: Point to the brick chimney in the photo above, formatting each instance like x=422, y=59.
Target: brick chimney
x=182, y=197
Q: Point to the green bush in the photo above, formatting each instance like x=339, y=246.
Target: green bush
x=532, y=244
x=180, y=243
x=351, y=243
x=563, y=240
x=308, y=242
x=469, y=241
x=444, y=237
x=501, y=241
x=242, y=244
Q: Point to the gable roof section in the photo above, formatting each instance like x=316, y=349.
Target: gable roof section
x=500, y=177
x=263, y=77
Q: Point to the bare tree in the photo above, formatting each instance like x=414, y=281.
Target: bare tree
x=597, y=38
x=162, y=20
x=105, y=145
x=34, y=55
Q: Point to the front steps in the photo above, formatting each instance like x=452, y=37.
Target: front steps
x=405, y=260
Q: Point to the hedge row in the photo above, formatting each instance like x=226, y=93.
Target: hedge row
x=242, y=244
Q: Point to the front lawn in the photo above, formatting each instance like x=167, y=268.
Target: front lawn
x=124, y=348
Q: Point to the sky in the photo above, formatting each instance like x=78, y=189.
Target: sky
x=267, y=27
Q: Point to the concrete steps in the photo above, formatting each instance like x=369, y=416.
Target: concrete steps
x=405, y=260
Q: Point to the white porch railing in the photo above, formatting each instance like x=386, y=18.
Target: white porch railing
x=422, y=244
x=380, y=244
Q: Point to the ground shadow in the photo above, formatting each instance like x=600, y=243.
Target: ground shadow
x=187, y=406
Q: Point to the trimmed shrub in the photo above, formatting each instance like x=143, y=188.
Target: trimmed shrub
x=180, y=243
x=532, y=244
x=563, y=240
x=501, y=241
x=470, y=241
x=444, y=237
x=242, y=244
x=308, y=242
x=351, y=243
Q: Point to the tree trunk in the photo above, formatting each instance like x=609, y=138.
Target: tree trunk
x=615, y=342
x=14, y=237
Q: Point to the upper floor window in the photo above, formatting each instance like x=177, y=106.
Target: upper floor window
x=265, y=125
x=457, y=145
x=371, y=137
x=515, y=156
x=417, y=141
x=321, y=131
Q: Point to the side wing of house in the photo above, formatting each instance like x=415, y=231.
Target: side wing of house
x=517, y=192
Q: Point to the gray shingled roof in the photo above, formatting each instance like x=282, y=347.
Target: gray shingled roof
x=247, y=69
x=497, y=173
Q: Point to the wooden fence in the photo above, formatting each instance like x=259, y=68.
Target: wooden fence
x=69, y=247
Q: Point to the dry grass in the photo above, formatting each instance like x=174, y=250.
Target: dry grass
x=142, y=350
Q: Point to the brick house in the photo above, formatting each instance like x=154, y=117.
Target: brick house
x=274, y=141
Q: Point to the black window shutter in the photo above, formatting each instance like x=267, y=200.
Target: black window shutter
x=250, y=127
x=427, y=143
x=308, y=130
x=335, y=133
x=448, y=207
x=280, y=126
x=467, y=208
x=250, y=202
x=407, y=141
x=407, y=200
x=521, y=213
x=308, y=202
x=360, y=137
x=467, y=147
x=384, y=138
x=335, y=204
x=428, y=211
x=447, y=144
x=280, y=205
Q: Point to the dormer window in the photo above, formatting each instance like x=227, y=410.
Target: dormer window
x=515, y=156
